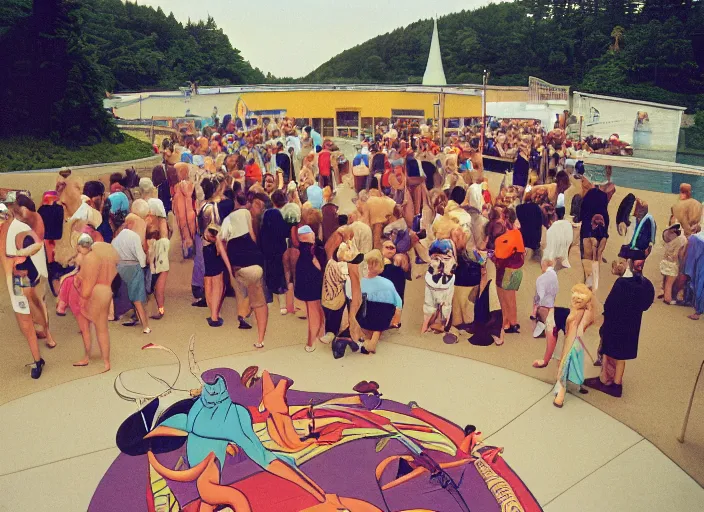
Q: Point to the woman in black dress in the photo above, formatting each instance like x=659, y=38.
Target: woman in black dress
x=273, y=237
x=309, y=283
x=208, y=229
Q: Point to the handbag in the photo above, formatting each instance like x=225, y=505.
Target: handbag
x=360, y=170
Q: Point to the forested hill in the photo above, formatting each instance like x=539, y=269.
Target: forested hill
x=630, y=48
x=137, y=47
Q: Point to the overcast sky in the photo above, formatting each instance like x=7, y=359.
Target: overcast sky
x=292, y=38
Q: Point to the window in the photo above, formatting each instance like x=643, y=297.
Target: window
x=328, y=127
x=348, y=118
x=317, y=124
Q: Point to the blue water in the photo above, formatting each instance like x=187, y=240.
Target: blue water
x=655, y=181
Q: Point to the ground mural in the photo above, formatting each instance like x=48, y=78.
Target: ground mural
x=250, y=442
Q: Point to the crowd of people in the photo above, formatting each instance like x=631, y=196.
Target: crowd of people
x=257, y=214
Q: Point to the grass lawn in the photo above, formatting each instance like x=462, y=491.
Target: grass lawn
x=26, y=153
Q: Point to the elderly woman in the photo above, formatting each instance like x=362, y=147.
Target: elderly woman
x=377, y=299
x=159, y=244
x=132, y=260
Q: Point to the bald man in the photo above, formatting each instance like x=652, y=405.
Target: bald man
x=687, y=211
x=97, y=272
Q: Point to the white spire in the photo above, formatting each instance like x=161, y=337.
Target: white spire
x=434, y=72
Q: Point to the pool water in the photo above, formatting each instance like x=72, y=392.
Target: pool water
x=655, y=181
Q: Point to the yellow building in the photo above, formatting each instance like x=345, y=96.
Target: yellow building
x=333, y=110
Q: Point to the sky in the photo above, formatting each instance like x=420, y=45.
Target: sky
x=292, y=38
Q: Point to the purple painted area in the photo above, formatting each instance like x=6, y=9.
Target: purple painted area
x=346, y=470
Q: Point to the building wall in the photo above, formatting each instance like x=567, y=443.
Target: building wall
x=602, y=117
x=305, y=104
x=176, y=106
x=505, y=95
x=545, y=112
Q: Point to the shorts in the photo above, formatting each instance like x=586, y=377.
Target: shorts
x=133, y=277
x=549, y=321
x=510, y=280
x=214, y=265
x=248, y=280
x=435, y=297
x=669, y=268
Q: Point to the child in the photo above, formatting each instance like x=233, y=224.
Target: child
x=675, y=243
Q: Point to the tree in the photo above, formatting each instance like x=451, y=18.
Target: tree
x=617, y=35
x=51, y=87
x=374, y=67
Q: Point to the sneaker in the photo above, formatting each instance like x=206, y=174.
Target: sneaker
x=310, y=349
x=539, y=329
x=328, y=338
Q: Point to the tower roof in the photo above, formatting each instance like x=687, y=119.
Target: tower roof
x=434, y=72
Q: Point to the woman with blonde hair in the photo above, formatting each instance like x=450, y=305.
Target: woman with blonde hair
x=375, y=300
x=582, y=314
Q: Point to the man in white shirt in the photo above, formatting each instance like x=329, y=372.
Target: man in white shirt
x=546, y=289
x=133, y=259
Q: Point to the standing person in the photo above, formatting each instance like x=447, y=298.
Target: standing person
x=595, y=203
x=642, y=237
x=687, y=211
x=133, y=259
x=35, y=267
x=272, y=241
x=508, y=257
x=244, y=262
x=98, y=269
x=558, y=239
x=19, y=284
x=209, y=228
x=333, y=297
x=325, y=167
x=309, y=283
x=159, y=244
x=631, y=295
x=571, y=369
x=546, y=289
x=675, y=248
x=530, y=216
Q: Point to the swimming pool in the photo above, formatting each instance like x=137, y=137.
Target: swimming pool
x=655, y=181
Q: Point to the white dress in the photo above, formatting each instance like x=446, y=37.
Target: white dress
x=559, y=240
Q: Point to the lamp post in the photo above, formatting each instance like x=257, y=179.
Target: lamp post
x=485, y=79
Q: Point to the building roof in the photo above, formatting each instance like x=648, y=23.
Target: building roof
x=434, y=72
x=628, y=100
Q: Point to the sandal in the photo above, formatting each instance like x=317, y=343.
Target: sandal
x=147, y=331
x=283, y=311
x=544, y=365
x=258, y=345
x=310, y=349
x=513, y=329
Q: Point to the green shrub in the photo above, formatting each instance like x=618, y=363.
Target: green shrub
x=27, y=153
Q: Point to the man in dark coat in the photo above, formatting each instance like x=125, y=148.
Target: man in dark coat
x=631, y=295
x=530, y=217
